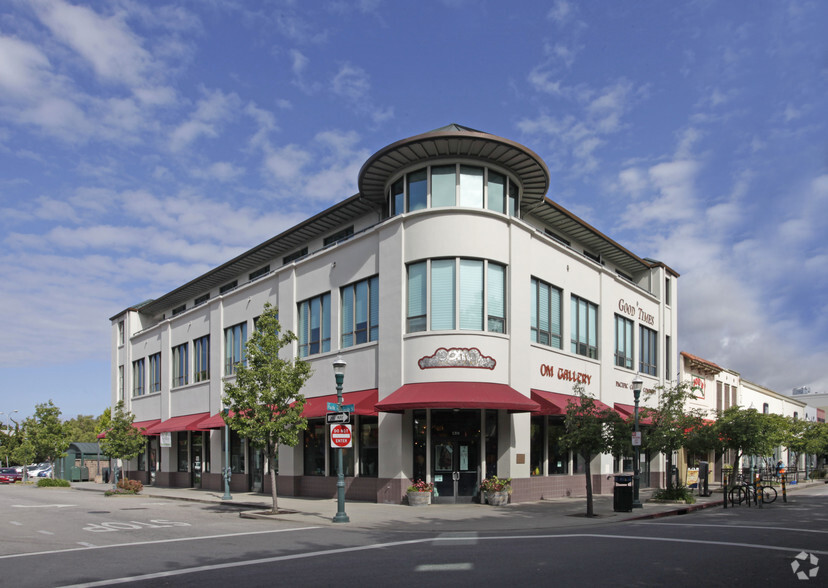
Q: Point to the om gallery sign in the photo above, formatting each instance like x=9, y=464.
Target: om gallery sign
x=457, y=357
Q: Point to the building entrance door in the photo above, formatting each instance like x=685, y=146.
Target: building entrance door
x=455, y=464
x=257, y=475
x=198, y=439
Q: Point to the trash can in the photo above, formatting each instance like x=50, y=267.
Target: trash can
x=622, y=494
x=704, y=470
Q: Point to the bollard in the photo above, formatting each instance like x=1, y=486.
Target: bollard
x=784, y=492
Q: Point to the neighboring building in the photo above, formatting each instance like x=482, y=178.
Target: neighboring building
x=466, y=304
x=801, y=390
x=717, y=389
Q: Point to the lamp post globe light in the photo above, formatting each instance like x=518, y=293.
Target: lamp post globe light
x=637, y=385
x=340, y=517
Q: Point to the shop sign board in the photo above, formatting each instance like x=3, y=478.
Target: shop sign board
x=341, y=436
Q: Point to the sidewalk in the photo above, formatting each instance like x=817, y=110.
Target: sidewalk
x=558, y=513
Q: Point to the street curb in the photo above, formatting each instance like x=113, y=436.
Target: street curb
x=679, y=511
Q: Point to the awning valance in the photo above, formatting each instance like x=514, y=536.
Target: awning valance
x=627, y=411
x=214, y=422
x=138, y=425
x=554, y=403
x=188, y=422
x=363, y=401
x=456, y=395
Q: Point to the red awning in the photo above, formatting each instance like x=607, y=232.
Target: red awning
x=214, y=422
x=553, y=403
x=188, y=422
x=139, y=425
x=456, y=395
x=628, y=411
x=363, y=401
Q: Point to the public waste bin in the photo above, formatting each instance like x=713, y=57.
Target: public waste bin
x=622, y=494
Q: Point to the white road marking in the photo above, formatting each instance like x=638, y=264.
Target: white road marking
x=16, y=523
x=328, y=552
x=180, y=539
x=456, y=567
x=46, y=532
x=42, y=505
x=796, y=530
x=85, y=544
x=459, y=537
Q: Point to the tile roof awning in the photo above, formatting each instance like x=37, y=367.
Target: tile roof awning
x=189, y=422
x=363, y=401
x=456, y=395
x=553, y=403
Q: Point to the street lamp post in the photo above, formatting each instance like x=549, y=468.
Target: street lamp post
x=637, y=385
x=227, y=471
x=340, y=517
x=8, y=420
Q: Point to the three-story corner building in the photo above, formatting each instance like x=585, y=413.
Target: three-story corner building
x=467, y=306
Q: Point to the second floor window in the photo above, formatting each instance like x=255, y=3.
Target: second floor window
x=234, y=339
x=138, y=375
x=315, y=325
x=648, y=354
x=120, y=382
x=584, y=327
x=360, y=312
x=180, y=363
x=465, y=294
x=545, y=314
x=623, y=342
x=201, y=359
x=155, y=372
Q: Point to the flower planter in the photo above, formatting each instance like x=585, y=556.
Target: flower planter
x=419, y=498
x=497, y=498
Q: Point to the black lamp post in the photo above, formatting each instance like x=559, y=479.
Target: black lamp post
x=227, y=471
x=637, y=385
x=340, y=517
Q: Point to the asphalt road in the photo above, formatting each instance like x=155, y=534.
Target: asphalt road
x=54, y=538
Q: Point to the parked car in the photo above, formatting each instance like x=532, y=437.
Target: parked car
x=35, y=469
x=10, y=475
x=45, y=473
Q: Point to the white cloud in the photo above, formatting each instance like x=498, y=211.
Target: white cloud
x=107, y=44
x=351, y=82
x=211, y=111
x=561, y=12
x=22, y=68
x=286, y=163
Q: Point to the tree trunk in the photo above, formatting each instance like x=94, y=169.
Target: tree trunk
x=588, y=473
x=272, y=460
x=669, y=463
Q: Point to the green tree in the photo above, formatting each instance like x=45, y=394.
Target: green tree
x=748, y=432
x=670, y=422
x=123, y=440
x=81, y=429
x=264, y=402
x=586, y=434
x=102, y=424
x=47, y=433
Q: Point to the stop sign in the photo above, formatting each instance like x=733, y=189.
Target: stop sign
x=341, y=436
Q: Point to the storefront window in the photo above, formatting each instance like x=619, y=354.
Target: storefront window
x=314, y=448
x=347, y=461
x=536, y=446
x=183, y=452
x=558, y=454
x=236, y=453
x=369, y=446
x=420, y=429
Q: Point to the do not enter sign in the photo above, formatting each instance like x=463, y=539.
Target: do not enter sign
x=341, y=436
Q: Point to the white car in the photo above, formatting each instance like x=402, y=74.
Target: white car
x=34, y=470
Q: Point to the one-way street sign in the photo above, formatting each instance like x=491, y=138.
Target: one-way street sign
x=338, y=418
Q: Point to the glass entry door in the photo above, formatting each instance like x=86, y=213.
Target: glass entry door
x=455, y=462
x=198, y=439
x=257, y=475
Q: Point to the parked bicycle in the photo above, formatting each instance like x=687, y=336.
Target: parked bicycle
x=746, y=492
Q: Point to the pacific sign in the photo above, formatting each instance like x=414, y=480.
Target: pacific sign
x=548, y=371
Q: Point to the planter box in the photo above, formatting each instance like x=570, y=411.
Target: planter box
x=419, y=498
x=497, y=498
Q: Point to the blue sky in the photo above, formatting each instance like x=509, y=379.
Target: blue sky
x=142, y=143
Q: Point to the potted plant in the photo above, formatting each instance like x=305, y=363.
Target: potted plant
x=496, y=490
x=419, y=493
